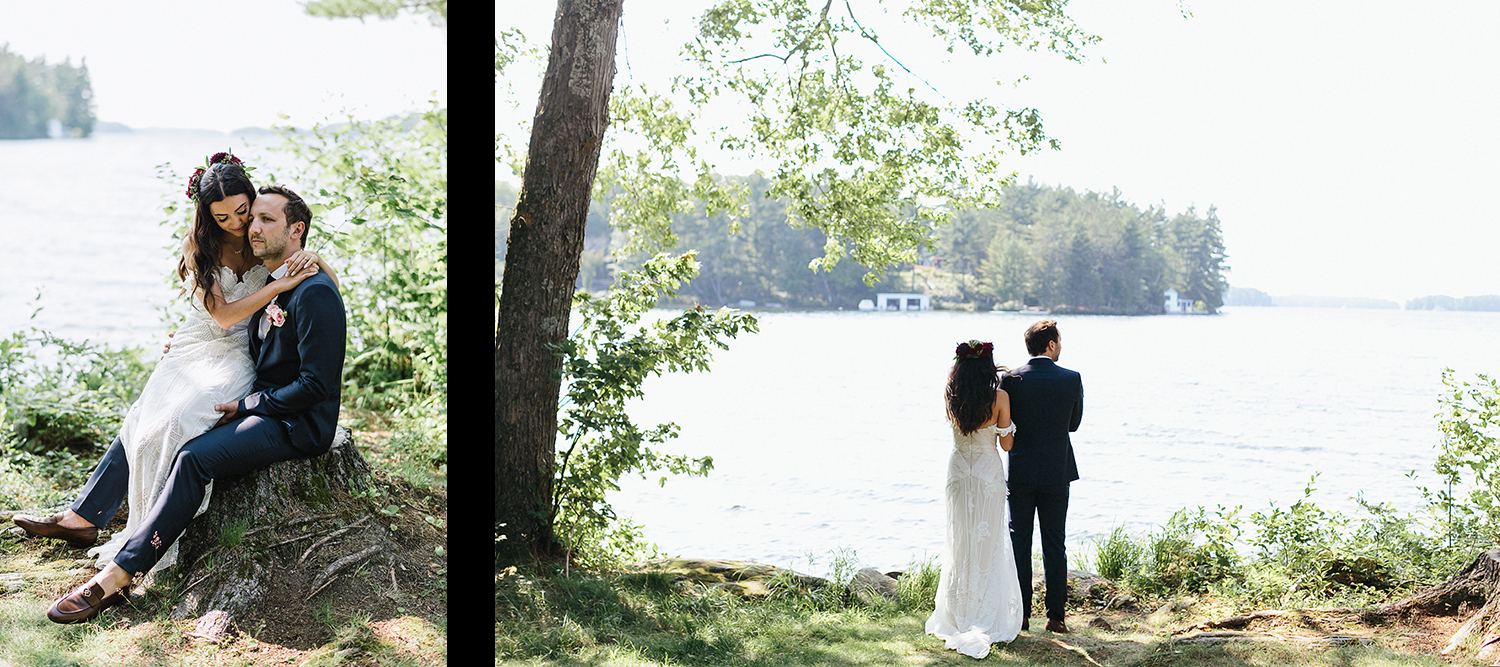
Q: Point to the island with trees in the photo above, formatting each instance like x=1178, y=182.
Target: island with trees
x=1047, y=247
x=38, y=100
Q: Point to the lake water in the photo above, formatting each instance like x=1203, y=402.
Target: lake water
x=827, y=428
x=80, y=222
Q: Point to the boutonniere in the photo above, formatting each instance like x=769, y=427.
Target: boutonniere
x=275, y=314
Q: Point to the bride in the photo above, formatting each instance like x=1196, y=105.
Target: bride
x=207, y=363
x=978, y=597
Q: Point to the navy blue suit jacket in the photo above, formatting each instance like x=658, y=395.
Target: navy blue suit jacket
x=299, y=367
x=1046, y=404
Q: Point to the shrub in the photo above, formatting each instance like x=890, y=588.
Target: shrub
x=1467, y=511
x=917, y=587
x=1188, y=553
x=605, y=362
x=1298, y=544
x=1117, y=556
x=57, y=395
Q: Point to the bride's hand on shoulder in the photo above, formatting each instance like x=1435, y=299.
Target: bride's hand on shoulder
x=294, y=277
x=300, y=260
x=306, y=258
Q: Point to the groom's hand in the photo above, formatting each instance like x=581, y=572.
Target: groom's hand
x=229, y=410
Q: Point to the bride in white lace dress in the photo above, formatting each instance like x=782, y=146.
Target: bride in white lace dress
x=208, y=361
x=979, y=596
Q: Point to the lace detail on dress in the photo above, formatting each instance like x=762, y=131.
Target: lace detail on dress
x=979, y=594
x=976, y=441
x=207, y=365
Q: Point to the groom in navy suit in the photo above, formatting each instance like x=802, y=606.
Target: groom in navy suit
x=297, y=341
x=297, y=344
x=1046, y=404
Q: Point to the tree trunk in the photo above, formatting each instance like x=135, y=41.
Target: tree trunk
x=541, y=266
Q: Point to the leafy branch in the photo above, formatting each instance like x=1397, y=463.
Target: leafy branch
x=605, y=364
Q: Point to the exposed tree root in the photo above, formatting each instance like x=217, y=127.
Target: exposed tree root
x=1476, y=587
x=1242, y=622
x=327, y=575
x=1223, y=637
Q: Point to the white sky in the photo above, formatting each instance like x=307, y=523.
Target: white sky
x=209, y=65
x=1348, y=145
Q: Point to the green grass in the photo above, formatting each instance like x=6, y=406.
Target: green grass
x=232, y=533
x=649, y=619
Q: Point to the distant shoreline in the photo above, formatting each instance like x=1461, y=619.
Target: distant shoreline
x=1246, y=296
x=120, y=128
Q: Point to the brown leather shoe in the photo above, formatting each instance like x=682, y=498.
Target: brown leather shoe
x=78, y=538
x=1057, y=626
x=84, y=603
x=1026, y=624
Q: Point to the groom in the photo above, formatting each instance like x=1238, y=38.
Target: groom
x=297, y=344
x=1046, y=403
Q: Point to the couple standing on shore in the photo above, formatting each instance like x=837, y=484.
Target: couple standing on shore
x=984, y=590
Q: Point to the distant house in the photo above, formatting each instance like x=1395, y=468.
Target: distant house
x=898, y=301
x=1177, y=305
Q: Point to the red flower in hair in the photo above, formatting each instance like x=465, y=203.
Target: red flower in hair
x=217, y=158
x=192, y=191
x=973, y=350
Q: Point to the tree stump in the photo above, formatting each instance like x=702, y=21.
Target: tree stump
x=1477, y=587
x=1473, y=588
x=274, y=539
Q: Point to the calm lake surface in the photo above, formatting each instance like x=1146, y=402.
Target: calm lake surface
x=827, y=428
x=81, y=225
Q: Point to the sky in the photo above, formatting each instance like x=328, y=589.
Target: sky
x=172, y=64
x=1348, y=146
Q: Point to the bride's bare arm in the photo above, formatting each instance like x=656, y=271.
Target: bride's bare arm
x=229, y=313
x=1002, y=418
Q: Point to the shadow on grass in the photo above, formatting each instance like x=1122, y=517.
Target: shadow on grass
x=647, y=619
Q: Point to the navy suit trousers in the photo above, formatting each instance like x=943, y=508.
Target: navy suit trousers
x=235, y=448
x=1048, y=505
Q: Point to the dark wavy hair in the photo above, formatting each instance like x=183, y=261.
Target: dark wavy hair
x=970, y=395
x=205, y=241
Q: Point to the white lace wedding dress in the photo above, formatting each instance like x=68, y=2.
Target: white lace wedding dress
x=206, y=365
x=979, y=596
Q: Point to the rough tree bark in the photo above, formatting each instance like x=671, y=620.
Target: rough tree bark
x=541, y=266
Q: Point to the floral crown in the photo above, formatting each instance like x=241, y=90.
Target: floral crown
x=973, y=350
x=217, y=158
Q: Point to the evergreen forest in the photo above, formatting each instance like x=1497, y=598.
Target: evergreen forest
x=1043, y=246
x=33, y=93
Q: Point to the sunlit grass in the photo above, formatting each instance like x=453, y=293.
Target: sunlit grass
x=651, y=619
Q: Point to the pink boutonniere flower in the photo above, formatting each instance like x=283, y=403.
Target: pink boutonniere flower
x=275, y=314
